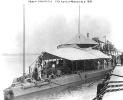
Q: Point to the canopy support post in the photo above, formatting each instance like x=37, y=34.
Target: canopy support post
x=76, y=66
x=84, y=65
x=72, y=66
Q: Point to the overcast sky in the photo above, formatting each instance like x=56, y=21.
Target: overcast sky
x=50, y=24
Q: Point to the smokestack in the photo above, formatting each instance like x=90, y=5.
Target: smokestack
x=88, y=35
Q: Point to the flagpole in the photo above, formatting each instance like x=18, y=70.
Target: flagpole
x=23, y=39
x=105, y=38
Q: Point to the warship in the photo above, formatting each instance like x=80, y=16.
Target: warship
x=72, y=63
x=66, y=66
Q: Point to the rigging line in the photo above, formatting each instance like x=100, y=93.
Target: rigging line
x=120, y=85
x=115, y=81
x=37, y=58
x=33, y=62
x=117, y=75
x=103, y=90
x=110, y=90
x=79, y=24
x=114, y=90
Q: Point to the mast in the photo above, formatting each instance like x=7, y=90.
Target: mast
x=23, y=39
x=79, y=24
x=79, y=21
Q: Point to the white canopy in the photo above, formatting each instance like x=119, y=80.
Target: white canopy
x=74, y=54
x=98, y=53
x=81, y=39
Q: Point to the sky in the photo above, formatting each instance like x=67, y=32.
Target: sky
x=50, y=24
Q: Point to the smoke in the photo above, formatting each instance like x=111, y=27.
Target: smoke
x=55, y=30
x=96, y=27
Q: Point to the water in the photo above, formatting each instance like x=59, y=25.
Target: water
x=12, y=67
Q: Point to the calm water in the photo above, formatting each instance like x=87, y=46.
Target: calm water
x=12, y=67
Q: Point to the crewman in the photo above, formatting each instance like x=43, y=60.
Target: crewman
x=121, y=61
x=39, y=60
x=105, y=64
x=58, y=73
x=35, y=73
x=39, y=72
x=109, y=63
x=52, y=76
x=98, y=64
x=39, y=63
x=53, y=68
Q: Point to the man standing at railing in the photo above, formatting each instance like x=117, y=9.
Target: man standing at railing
x=105, y=64
x=98, y=64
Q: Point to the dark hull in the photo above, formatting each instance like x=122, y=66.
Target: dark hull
x=61, y=84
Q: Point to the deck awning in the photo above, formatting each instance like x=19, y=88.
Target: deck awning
x=73, y=54
x=98, y=53
x=47, y=55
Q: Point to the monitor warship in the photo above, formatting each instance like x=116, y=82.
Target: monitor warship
x=68, y=65
x=72, y=63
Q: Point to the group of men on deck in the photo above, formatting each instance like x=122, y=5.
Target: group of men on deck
x=103, y=64
x=42, y=70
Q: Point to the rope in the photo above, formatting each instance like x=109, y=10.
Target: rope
x=113, y=90
x=37, y=58
x=33, y=62
x=115, y=82
x=102, y=92
x=117, y=75
x=115, y=85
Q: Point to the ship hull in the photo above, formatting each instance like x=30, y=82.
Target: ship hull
x=60, y=84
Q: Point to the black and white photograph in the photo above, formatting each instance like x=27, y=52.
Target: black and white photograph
x=61, y=50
